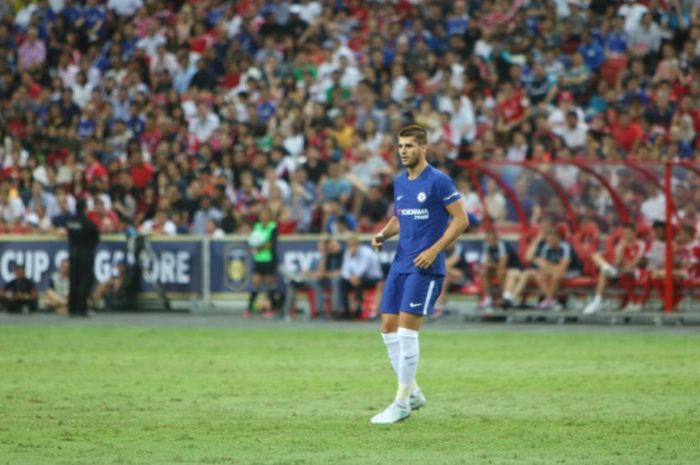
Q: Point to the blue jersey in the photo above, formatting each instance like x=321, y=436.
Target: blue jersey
x=419, y=205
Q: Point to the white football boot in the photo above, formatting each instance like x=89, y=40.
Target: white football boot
x=393, y=414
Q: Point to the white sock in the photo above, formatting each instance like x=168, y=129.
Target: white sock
x=408, y=362
x=508, y=296
x=597, y=298
x=391, y=340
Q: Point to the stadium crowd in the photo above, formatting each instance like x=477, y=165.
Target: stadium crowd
x=188, y=116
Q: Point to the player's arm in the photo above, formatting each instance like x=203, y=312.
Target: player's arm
x=391, y=229
x=531, y=252
x=456, y=227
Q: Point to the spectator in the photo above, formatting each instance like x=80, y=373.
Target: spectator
x=336, y=219
x=205, y=213
x=574, y=132
x=627, y=134
x=578, y=77
x=108, y=76
x=213, y=230
x=160, y=224
x=204, y=123
x=11, y=208
x=32, y=53
x=58, y=221
x=495, y=203
x=336, y=187
x=373, y=209
x=105, y=219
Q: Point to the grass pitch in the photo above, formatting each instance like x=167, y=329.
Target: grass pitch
x=105, y=395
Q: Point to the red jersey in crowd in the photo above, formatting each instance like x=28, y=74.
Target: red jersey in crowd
x=514, y=107
x=634, y=251
x=95, y=170
x=141, y=174
x=627, y=136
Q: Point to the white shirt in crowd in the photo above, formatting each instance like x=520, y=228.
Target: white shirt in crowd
x=204, y=128
x=12, y=210
x=364, y=263
x=125, y=7
x=575, y=137
x=654, y=209
x=169, y=228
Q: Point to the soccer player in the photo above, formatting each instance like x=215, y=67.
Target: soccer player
x=497, y=259
x=628, y=258
x=424, y=201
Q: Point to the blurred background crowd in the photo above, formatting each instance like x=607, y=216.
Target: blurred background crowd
x=187, y=117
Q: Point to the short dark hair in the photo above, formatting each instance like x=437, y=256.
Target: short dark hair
x=416, y=131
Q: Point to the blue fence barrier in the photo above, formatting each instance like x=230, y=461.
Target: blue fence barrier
x=190, y=266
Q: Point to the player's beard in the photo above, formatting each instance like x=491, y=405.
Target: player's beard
x=411, y=162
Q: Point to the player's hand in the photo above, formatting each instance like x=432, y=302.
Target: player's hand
x=377, y=242
x=425, y=259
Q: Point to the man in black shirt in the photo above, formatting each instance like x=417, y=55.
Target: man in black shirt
x=82, y=242
x=20, y=292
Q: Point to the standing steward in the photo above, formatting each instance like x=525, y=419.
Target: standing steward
x=83, y=237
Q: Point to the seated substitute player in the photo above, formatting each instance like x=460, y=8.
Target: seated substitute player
x=497, y=259
x=361, y=270
x=20, y=293
x=629, y=256
x=554, y=261
x=56, y=296
x=324, y=273
x=424, y=200
x=558, y=261
x=112, y=293
x=516, y=280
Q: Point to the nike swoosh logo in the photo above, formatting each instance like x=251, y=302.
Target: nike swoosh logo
x=451, y=195
x=409, y=358
x=412, y=305
x=399, y=198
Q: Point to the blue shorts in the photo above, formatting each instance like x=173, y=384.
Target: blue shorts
x=410, y=293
